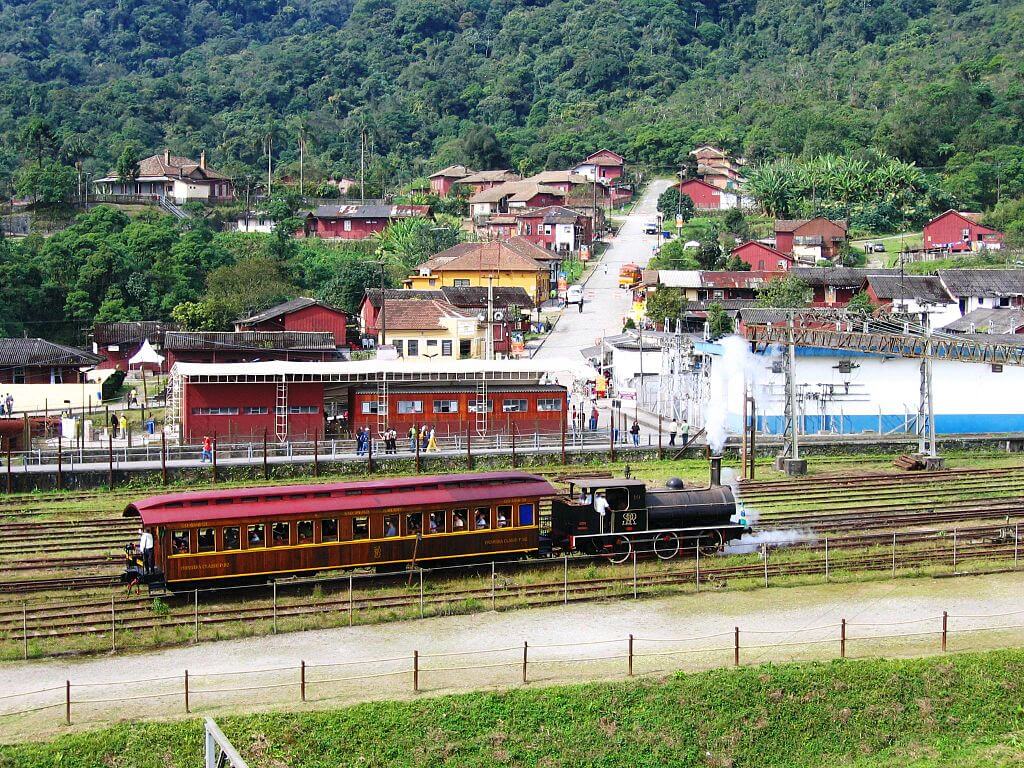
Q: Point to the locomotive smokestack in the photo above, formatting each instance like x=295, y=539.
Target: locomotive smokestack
x=716, y=470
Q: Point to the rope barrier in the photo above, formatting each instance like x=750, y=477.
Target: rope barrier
x=360, y=677
x=126, y=698
x=517, y=663
x=193, y=691
x=893, y=623
x=686, y=650
x=358, y=661
x=576, y=645
x=470, y=653
x=124, y=682
x=569, y=661
x=791, y=631
x=31, y=693
x=829, y=640
x=233, y=674
x=34, y=709
x=681, y=639
x=894, y=637
x=984, y=615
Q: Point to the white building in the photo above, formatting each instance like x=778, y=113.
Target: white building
x=177, y=178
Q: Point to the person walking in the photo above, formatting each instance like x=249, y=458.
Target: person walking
x=432, y=442
x=593, y=419
x=635, y=432
x=684, y=429
x=146, y=549
x=207, y=452
x=113, y=425
x=424, y=437
x=412, y=439
x=122, y=425
x=672, y=432
x=360, y=441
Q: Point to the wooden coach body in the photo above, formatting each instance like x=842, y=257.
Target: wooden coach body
x=209, y=535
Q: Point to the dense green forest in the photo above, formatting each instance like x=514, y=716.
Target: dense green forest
x=935, y=82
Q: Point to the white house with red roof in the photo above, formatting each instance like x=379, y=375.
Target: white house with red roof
x=179, y=178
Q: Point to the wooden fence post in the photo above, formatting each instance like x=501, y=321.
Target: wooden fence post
x=630, y=655
x=369, y=452
x=611, y=437
x=187, y=707
x=416, y=671
x=945, y=629
x=661, y=451
x=24, y=629
x=350, y=604
x=266, y=466
x=67, y=702
x=213, y=458
x=513, y=432
x=736, y=647
x=60, y=459
x=526, y=648
x=302, y=679
x=10, y=480
x=110, y=458
x=842, y=639
x=417, y=454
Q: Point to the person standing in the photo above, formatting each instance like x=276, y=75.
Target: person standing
x=122, y=425
x=424, y=437
x=113, y=425
x=412, y=439
x=672, y=432
x=635, y=432
x=146, y=549
x=601, y=507
x=207, y=452
x=360, y=441
x=432, y=441
x=593, y=419
x=684, y=429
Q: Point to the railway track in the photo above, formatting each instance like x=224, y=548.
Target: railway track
x=95, y=619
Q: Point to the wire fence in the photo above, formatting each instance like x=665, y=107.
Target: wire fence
x=422, y=672
x=122, y=622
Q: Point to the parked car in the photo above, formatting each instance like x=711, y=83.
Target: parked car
x=651, y=228
x=574, y=294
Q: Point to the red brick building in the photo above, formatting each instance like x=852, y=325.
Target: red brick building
x=38, y=361
x=357, y=222
x=248, y=346
x=441, y=183
x=958, y=231
x=556, y=228
x=301, y=314
x=763, y=258
x=603, y=165
x=810, y=239
x=117, y=342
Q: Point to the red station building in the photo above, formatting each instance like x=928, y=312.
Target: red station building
x=301, y=314
x=38, y=361
x=357, y=222
x=118, y=342
x=300, y=400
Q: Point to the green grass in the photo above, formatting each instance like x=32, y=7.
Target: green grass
x=961, y=710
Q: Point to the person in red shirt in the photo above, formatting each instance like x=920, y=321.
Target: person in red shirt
x=207, y=454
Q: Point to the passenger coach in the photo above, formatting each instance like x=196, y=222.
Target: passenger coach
x=255, y=532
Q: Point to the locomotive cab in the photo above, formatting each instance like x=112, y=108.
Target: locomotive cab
x=576, y=515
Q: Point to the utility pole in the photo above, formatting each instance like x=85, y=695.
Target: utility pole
x=489, y=342
x=383, y=299
x=362, y=165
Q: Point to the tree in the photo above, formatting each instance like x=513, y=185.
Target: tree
x=281, y=211
x=666, y=304
x=735, y=223
x=198, y=316
x=860, y=303
x=735, y=264
x=671, y=203
x=481, y=148
x=347, y=288
x=719, y=321
x=246, y=287
x=789, y=292
x=127, y=166
x=709, y=255
x=38, y=135
x=47, y=182
x=407, y=243
x=673, y=255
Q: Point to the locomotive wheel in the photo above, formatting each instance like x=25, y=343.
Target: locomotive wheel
x=619, y=551
x=666, y=546
x=710, y=542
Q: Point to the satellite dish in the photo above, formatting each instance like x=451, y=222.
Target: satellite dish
x=498, y=315
x=481, y=317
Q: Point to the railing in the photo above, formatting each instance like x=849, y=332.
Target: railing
x=218, y=751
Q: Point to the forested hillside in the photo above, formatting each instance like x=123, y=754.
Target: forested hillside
x=937, y=82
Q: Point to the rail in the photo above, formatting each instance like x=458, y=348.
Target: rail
x=431, y=672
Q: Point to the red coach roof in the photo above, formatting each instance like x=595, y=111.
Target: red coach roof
x=298, y=500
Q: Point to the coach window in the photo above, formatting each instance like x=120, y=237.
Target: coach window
x=279, y=534
x=482, y=518
x=526, y=514
x=413, y=523
x=304, y=529
x=360, y=527
x=207, y=540
x=505, y=516
x=435, y=522
x=256, y=535
x=329, y=530
x=232, y=537
x=391, y=525
x=459, y=517
x=179, y=543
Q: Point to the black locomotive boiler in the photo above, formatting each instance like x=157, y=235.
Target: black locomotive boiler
x=667, y=523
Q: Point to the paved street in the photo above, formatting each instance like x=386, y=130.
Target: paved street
x=605, y=305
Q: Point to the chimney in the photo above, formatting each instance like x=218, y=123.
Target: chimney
x=167, y=157
x=202, y=159
x=716, y=470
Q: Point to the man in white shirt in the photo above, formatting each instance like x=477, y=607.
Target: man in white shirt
x=601, y=507
x=146, y=549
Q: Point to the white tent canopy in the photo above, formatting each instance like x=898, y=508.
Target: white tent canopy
x=146, y=354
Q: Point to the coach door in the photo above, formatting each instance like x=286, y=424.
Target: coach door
x=627, y=511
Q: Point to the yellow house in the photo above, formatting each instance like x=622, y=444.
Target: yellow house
x=499, y=262
x=428, y=328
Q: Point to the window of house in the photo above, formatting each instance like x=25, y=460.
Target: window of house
x=446, y=348
x=329, y=530
x=398, y=346
x=360, y=527
x=232, y=537
x=446, y=406
x=207, y=540
x=413, y=347
x=505, y=516
x=56, y=376
x=1004, y=301
x=370, y=407
x=179, y=543
x=226, y=411
x=526, y=514
x=302, y=409
x=390, y=525
x=465, y=348
x=431, y=343
x=514, y=406
x=304, y=530
x=760, y=264
x=347, y=225
x=279, y=534
x=18, y=376
x=406, y=407
x=256, y=410
x=475, y=406
x=782, y=265
x=528, y=229
x=460, y=282
x=547, y=404
x=256, y=535
x=432, y=282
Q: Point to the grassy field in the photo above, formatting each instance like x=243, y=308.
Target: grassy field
x=961, y=710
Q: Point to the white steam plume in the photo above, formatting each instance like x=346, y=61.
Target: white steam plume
x=729, y=371
x=753, y=541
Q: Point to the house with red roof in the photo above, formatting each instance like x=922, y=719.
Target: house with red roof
x=707, y=197
x=356, y=222
x=556, y=228
x=603, y=165
x=301, y=314
x=960, y=232
x=810, y=239
x=180, y=179
x=763, y=258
